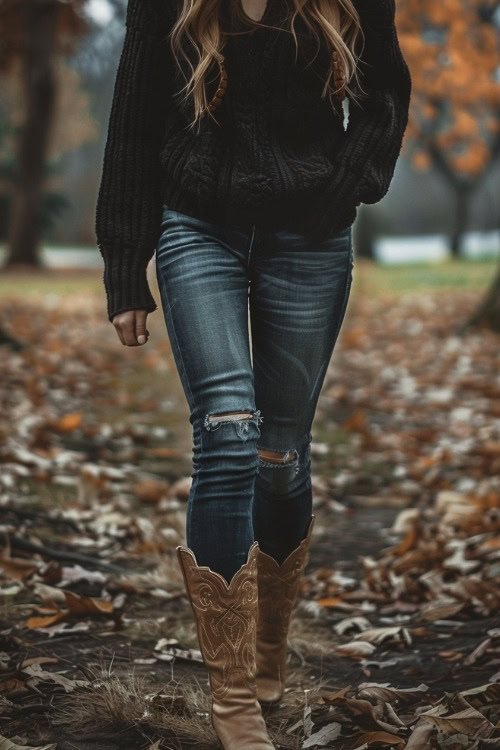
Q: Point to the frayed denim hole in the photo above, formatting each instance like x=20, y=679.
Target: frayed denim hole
x=279, y=476
x=246, y=427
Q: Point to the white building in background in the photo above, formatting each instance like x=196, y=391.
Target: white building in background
x=435, y=247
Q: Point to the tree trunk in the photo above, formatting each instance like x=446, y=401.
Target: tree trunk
x=461, y=190
x=461, y=219
x=487, y=314
x=39, y=23
x=363, y=236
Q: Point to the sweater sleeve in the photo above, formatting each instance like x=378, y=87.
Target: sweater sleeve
x=128, y=210
x=367, y=158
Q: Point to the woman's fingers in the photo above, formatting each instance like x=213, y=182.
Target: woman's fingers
x=116, y=323
x=141, y=331
x=128, y=329
x=131, y=327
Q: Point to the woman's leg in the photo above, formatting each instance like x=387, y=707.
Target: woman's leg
x=298, y=298
x=203, y=279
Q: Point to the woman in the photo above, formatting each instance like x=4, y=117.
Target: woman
x=227, y=154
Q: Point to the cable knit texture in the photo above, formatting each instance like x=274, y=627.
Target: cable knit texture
x=276, y=153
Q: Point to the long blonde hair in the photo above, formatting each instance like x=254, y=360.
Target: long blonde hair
x=199, y=24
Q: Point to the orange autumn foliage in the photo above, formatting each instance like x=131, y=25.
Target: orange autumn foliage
x=452, y=50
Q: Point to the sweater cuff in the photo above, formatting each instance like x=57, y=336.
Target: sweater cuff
x=126, y=284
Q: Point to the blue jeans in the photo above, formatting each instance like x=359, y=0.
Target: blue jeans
x=250, y=397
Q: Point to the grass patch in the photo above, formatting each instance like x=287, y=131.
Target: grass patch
x=111, y=704
x=368, y=277
x=177, y=712
x=371, y=278
x=50, y=282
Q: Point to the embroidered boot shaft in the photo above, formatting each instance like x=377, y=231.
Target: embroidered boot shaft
x=278, y=590
x=226, y=619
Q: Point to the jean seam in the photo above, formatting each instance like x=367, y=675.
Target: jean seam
x=174, y=332
x=251, y=245
x=343, y=309
x=194, y=485
x=346, y=297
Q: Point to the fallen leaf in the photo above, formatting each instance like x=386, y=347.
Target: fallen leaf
x=68, y=422
x=469, y=722
x=38, y=675
x=150, y=490
x=79, y=606
x=329, y=601
x=6, y=744
x=378, y=635
x=17, y=568
x=325, y=735
x=381, y=737
x=356, y=649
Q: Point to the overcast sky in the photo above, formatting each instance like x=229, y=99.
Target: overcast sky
x=101, y=11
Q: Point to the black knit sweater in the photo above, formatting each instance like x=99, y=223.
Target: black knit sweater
x=278, y=153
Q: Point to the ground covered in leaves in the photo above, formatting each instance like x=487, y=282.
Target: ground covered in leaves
x=396, y=638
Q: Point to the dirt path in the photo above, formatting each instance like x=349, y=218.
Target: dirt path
x=396, y=638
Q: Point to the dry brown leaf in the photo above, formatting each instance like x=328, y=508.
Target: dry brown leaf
x=150, y=490
x=39, y=660
x=378, y=635
x=356, y=422
x=13, y=688
x=68, y=422
x=6, y=744
x=39, y=675
x=420, y=738
x=408, y=542
x=469, y=722
x=374, y=738
x=323, y=736
x=165, y=452
x=78, y=606
x=329, y=601
x=440, y=609
x=386, y=693
x=17, y=568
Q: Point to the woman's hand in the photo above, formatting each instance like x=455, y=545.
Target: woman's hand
x=131, y=327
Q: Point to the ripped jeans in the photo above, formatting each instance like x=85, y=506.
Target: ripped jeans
x=252, y=397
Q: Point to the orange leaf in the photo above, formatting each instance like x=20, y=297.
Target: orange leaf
x=408, y=542
x=150, y=490
x=85, y=605
x=17, y=568
x=45, y=622
x=165, y=452
x=68, y=422
x=356, y=422
x=79, y=606
x=330, y=601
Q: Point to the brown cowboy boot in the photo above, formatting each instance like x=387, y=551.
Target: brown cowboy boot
x=226, y=619
x=278, y=590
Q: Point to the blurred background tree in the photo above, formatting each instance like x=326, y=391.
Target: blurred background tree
x=47, y=114
x=452, y=50
x=56, y=95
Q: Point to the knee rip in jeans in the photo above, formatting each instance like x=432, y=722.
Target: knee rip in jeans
x=241, y=420
x=279, y=468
